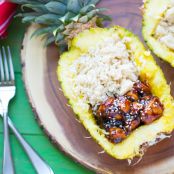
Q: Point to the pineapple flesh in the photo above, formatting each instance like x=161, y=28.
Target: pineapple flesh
x=148, y=71
x=158, y=28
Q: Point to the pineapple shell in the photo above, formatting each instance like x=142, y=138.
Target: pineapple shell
x=153, y=12
x=142, y=137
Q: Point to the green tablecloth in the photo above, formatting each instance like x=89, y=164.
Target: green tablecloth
x=23, y=117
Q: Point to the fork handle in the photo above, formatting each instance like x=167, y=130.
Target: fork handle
x=38, y=163
x=8, y=167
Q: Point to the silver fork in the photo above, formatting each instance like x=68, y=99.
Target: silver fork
x=7, y=92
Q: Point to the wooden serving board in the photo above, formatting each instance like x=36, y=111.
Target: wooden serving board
x=58, y=119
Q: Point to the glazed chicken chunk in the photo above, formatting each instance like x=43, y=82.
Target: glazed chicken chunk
x=120, y=115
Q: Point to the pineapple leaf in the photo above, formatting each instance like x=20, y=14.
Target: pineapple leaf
x=28, y=14
x=28, y=19
x=93, y=2
x=92, y=13
x=62, y=1
x=84, y=3
x=104, y=17
x=59, y=29
x=56, y=7
x=48, y=19
x=41, y=31
x=59, y=37
x=50, y=39
x=67, y=17
x=35, y=7
x=75, y=18
x=101, y=9
x=73, y=6
x=42, y=1
x=87, y=8
x=24, y=1
x=84, y=19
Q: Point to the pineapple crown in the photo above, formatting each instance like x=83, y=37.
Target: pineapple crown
x=60, y=20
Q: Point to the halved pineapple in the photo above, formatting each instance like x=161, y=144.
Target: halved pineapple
x=149, y=71
x=155, y=12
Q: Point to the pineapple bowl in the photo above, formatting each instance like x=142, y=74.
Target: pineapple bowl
x=158, y=28
x=125, y=111
x=149, y=71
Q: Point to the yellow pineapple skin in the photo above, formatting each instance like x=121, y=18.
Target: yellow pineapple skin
x=152, y=13
x=149, y=71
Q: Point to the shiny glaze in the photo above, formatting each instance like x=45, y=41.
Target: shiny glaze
x=120, y=115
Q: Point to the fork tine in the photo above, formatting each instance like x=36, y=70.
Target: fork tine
x=10, y=64
x=1, y=68
x=5, y=64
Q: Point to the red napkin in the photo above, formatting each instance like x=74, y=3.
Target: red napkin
x=7, y=10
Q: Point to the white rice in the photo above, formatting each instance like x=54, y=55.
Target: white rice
x=165, y=29
x=104, y=71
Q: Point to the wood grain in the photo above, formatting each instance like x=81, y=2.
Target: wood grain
x=57, y=117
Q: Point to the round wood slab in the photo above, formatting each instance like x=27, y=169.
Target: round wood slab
x=58, y=119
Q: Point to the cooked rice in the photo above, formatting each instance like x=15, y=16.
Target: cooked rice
x=104, y=71
x=165, y=29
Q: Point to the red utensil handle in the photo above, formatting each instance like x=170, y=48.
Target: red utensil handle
x=7, y=10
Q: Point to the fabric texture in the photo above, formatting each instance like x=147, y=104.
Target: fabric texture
x=7, y=10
